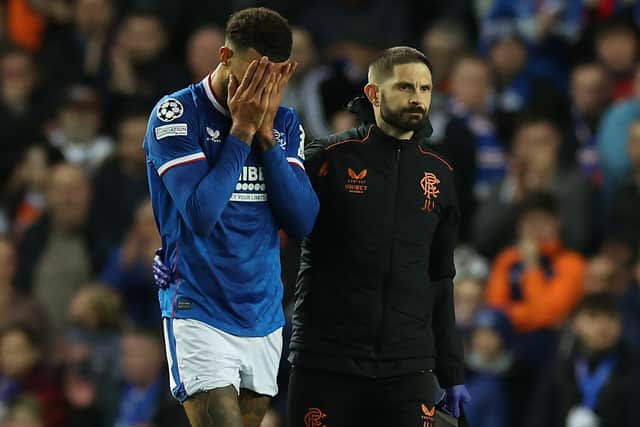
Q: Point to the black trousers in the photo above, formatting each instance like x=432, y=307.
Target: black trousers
x=327, y=399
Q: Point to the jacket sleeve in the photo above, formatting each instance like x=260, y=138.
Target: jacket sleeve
x=548, y=301
x=449, y=350
x=498, y=292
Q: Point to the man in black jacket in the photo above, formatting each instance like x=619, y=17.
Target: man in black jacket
x=596, y=385
x=374, y=317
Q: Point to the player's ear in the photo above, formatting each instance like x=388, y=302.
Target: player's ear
x=372, y=92
x=225, y=53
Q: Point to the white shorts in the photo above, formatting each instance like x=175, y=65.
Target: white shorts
x=201, y=358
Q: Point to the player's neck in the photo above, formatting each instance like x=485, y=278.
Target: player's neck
x=218, y=81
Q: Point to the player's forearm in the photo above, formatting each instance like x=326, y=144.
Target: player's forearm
x=293, y=200
x=205, y=205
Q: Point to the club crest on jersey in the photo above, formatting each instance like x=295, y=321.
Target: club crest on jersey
x=169, y=110
x=280, y=138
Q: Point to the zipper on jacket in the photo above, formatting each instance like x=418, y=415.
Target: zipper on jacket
x=395, y=174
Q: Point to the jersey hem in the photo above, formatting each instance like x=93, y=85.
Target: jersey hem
x=238, y=332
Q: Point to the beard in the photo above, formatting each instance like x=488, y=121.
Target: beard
x=408, y=119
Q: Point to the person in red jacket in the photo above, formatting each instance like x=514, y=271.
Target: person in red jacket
x=24, y=372
x=536, y=282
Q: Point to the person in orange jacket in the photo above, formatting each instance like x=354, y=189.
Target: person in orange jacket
x=537, y=282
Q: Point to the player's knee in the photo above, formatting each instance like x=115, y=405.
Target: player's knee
x=214, y=408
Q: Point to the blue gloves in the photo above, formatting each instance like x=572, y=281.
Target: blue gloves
x=161, y=273
x=453, y=399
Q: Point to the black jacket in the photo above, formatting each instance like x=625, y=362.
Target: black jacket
x=374, y=292
x=558, y=392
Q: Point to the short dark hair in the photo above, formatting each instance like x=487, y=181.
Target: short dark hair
x=614, y=25
x=382, y=67
x=538, y=202
x=603, y=303
x=33, y=336
x=531, y=117
x=262, y=29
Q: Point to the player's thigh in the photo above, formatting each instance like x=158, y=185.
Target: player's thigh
x=260, y=362
x=408, y=401
x=318, y=399
x=200, y=358
x=214, y=408
x=253, y=406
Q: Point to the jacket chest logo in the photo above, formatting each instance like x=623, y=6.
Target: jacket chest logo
x=429, y=184
x=356, y=182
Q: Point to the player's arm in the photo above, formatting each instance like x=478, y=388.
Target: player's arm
x=199, y=191
x=293, y=201
x=449, y=351
x=202, y=192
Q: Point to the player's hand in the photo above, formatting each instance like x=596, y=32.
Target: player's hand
x=161, y=273
x=265, y=132
x=249, y=100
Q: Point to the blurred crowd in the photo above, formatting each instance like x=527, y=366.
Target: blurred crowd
x=536, y=103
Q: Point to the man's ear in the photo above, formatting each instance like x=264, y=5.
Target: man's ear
x=372, y=92
x=225, y=53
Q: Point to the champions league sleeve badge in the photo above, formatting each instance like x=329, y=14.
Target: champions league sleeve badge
x=170, y=109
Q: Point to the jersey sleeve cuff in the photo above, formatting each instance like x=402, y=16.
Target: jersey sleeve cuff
x=237, y=144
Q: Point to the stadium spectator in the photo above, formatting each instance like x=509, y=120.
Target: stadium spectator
x=119, y=185
x=326, y=90
x=625, y=221
x=25, y=196
x=143, y=368
x=301, y=93
x=141, y=69
x=24, y=411
x=589, y=90
x=468, y=297
x=488, y=359
x=22, y=108
x=599, y=275
x=202, y=51
x=537, y=281
x=519, y=85
x=128, y=268
x=77, y=135
x=443, y=43
x=471, y=141
x=90, y=349
x=613, y=134
x=534, y=166
x=24, y=370
x=616, y=47
x=14, y=306
x=596, y=385
x=358, y=21
x=55, y=256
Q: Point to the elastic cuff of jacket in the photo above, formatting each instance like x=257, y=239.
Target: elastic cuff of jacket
x=450, y=376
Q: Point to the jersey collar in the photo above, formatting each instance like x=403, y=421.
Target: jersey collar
x=206, y=83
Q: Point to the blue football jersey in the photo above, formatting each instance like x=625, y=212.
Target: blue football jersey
x=227, y=273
